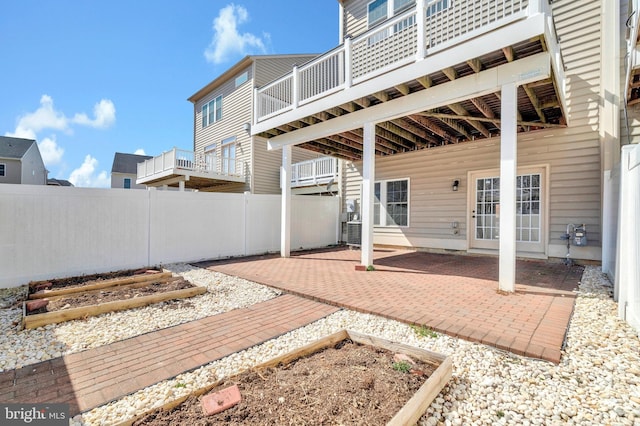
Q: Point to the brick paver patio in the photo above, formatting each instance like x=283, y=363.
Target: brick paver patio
x=94, y=377
x=453, y=294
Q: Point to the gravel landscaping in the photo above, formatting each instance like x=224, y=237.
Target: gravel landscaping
x=597, y=381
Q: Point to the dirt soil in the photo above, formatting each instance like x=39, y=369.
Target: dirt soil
x=109, y=295
x=84, y=280
x=347, y=384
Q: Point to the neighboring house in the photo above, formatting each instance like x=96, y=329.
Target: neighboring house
x=58, y=182
x=124, y=170
x=225, y=157
x=21, y=162
x=469, y=126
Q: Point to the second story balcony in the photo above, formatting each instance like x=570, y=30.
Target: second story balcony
x=196, y=169
x=433, y=43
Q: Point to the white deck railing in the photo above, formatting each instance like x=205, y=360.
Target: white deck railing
x=180, y=161
x=318, y=171
x=396, y=42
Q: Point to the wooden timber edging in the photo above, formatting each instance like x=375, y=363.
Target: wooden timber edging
x=408, y=414
x=39, y=320
x=141, y=284
x=101, y=285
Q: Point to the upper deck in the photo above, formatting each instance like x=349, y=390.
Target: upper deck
x=431, y=44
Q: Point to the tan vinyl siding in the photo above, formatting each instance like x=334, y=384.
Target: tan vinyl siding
x=267, y=166
x=270, y=69
x=355, y=17
x=236, y=111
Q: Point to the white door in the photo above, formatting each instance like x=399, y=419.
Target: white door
x=530, y=208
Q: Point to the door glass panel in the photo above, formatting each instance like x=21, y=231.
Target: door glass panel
x=527, y=208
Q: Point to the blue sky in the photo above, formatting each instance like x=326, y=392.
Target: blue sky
x=88, y=78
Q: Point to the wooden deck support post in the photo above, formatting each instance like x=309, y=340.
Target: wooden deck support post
x=508, y=176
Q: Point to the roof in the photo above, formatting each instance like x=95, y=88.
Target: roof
x=58, y=182
x=231, y=72
x=127, y=163
x=14, y=147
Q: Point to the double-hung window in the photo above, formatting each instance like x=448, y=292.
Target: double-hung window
x=3, y=169
x=228, y=148
x=376, y=12
x=127, y=183
x=391, y=203
x=212, y=111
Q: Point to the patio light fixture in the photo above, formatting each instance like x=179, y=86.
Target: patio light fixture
x=455, y=185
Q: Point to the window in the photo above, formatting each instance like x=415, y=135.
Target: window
x=127, y=183
x=3, y=169
x=212, y=111
x=400, y=5
x=438, y=7
x=391, y=203
x=210, y=148
x=229, y=155
x=242, y=78
x=376, y=12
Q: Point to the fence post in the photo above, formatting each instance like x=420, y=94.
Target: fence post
x=295, y=90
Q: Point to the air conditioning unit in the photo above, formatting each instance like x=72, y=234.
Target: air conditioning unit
x=354, y=233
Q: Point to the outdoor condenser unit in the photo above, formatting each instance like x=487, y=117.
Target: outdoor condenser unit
x=354, y=233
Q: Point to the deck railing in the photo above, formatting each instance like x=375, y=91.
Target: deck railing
x=181, y=161
x=396, y=42
x=318, y=171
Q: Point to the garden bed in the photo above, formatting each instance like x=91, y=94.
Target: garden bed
x=345, y=378
x=57, y=301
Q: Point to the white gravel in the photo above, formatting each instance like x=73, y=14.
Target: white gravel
x=597, y=381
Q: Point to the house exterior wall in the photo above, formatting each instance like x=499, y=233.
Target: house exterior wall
x=33, y=171
x=571, y=156
x=261, y=167
x=13, y=171
x=117, y=180
x=355, y=17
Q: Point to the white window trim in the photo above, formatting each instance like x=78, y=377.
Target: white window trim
x=383, y=203
x=4, y=169
x=206, y=107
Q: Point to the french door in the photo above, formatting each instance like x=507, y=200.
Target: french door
x=530, y=210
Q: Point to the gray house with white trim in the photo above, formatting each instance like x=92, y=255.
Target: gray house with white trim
x=21, y=162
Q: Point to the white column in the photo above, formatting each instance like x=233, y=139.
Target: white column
x=422, y=31
x=508, y=174
x=348, y=59
x=285, y=221
x=368, y=180
x=295, y=87
x=181, y=186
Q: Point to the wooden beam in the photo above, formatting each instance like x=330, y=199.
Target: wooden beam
x=534, y=101
x=509, y=53
x=432, y=127
x=450, y=73
x=443, y=117
x=403, y=88
x=407, y=125
x=459, y=109
x=483, y=107
x=475, y=65
x=425, y=81
x=399, y=135
x=363, y=102
x=381, y=96
x=450, y=121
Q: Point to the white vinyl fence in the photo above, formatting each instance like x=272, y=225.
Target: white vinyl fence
x=627, y=276
x=51, y=232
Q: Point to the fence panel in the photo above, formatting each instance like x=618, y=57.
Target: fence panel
x=53, y=232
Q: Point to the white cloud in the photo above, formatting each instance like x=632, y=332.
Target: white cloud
x=45, y=117
x=50, y=151
x=86, y=175
x=226, y=38
x=104, y=115
x=139, y=151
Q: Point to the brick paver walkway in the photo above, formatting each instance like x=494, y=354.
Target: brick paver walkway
x=94, y=377
x=456, y=295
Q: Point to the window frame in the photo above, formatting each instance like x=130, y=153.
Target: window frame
x=242, y=78
x=381, y=204
x=3, y=169
x=124, y=183
x=212, y=111
x=226, y=164
x=381, y=19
